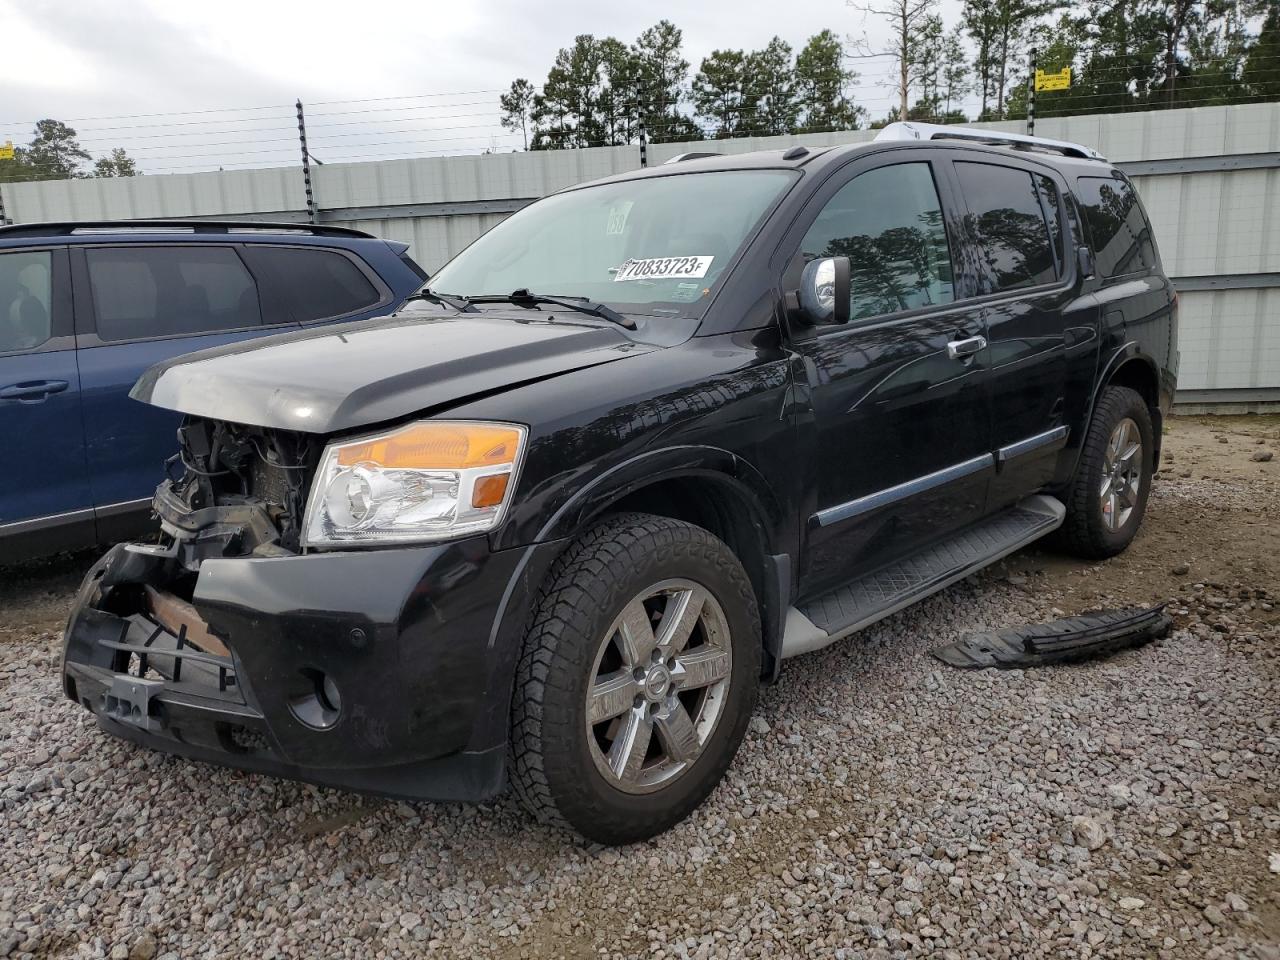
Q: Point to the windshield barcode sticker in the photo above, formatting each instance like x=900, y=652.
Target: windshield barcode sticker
x=662, y=268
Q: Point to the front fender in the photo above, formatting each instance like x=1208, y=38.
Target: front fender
x=726, y=470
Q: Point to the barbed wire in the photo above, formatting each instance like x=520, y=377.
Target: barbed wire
x=412, y=125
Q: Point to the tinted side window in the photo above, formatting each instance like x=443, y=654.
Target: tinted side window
x=26, y=299
x=1053, y=211
x=1120, y=232
x=316, y=284
x=888, y=222
x=1007, y=223
x=170, y=291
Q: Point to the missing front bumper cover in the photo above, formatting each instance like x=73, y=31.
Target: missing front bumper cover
x=1089, y=636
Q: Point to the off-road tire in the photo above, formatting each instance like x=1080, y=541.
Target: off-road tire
x=1084, y=532
x=550, y=764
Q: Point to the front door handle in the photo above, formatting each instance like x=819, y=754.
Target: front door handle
x=966, y=347
x=33, y=391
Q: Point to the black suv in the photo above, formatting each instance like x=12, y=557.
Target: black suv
x=634, y=447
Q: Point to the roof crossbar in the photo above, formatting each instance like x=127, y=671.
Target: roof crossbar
x=937, y=131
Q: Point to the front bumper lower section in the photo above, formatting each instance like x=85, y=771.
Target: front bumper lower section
x=383, y=671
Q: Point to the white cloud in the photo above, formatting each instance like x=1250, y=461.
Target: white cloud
x=74, y=59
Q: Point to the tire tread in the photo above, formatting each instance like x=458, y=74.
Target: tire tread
x=558, y=642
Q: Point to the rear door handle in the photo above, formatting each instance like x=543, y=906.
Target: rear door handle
x=965, y=348
x=33, y=391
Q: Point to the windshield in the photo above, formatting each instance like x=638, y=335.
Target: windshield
x=653, y=245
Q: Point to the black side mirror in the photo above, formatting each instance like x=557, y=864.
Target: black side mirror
x=1084, y=260
x=824, y=290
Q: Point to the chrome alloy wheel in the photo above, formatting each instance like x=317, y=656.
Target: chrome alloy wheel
x=1121, y=475
x=658, y=686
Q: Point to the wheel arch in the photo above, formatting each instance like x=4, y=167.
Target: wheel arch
x=711, y=488
x=1130, y=367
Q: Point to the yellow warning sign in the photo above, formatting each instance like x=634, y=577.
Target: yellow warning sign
x=1053, y=81
x=6, y=150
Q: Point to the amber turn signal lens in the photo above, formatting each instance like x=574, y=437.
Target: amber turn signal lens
x=489, y=491
x=438, y=446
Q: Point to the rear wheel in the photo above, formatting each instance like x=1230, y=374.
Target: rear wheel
x=1107, y=498
x=636, y=681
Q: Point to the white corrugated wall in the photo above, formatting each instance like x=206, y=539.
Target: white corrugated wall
x=1208, y=223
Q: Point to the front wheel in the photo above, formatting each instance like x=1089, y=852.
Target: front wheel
x=636, y=681
x=1107, y=498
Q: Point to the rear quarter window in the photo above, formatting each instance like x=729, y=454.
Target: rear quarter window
x=314, y=284
x=1117, y=227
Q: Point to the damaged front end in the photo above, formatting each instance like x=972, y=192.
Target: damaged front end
x=235, y=491
x=226, y=641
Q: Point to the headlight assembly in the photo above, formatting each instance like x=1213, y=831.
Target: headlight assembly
x=432, y=480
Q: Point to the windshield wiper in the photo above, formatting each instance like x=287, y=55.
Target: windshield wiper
x=523, y=298
x=461, y=304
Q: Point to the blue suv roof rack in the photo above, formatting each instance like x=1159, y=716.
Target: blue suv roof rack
x=62, y=228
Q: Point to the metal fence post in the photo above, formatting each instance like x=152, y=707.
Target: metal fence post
x=306, y=166
x=1031, y=96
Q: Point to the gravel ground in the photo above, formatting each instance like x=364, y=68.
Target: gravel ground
x=881, y=806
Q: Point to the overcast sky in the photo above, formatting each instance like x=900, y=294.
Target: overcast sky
x=85, y=60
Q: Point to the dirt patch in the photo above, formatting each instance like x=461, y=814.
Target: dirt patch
x=1213, y=529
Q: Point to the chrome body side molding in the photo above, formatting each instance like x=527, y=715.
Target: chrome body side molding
x=72, y=516
x=45, y=522
x=873, y=501
x=1031, y=443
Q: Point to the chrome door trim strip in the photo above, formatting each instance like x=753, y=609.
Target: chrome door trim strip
x=124, y=506
x=1031, y=443
x=873, y=501
x=72, y=516
x=45, y=522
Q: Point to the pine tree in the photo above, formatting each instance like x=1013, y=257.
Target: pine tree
x=517, y=108
x=54, y=152
x=770, y=89
x=822, y=83
x=115, y=164
x=661, y=72
x=718, y=93
x=1261, y=73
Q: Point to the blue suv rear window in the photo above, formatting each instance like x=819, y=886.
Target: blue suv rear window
x=316, y=284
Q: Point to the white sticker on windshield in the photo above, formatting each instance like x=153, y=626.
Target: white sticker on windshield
x=618, y=214
x=662, y=268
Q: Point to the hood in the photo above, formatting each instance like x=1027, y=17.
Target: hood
x=349, y=375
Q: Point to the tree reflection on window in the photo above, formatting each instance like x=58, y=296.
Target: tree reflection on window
x=1006, y=220
x=1120, y=232
x=888, y=222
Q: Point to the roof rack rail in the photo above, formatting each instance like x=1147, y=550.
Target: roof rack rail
x=937, y=131
x=694, y=155
x=63, y=227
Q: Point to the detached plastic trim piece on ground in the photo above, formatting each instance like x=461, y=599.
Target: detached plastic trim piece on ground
x=1090, y=636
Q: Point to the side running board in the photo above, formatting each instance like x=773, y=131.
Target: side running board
x=886, y=591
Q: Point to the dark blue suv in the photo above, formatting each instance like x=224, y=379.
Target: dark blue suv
x=85, y=308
